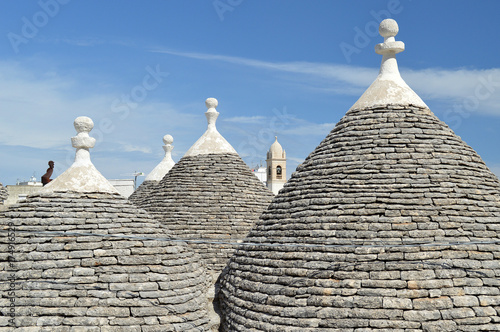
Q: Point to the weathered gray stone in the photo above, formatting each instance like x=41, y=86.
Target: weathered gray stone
x=465, y=301
x=458, y=313
x=73, y=283
x=489, y=300
x=422, y=315
x=362, y=233
x=397, y=303
x=440, y=326
x=208, y=196
x=443, y=302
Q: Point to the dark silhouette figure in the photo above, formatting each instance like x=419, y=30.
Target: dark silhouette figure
x=46, y=177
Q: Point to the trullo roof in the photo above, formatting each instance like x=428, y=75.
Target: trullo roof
x=85, y=259
x=392, y=223
x=156, y=174
x=210, y=194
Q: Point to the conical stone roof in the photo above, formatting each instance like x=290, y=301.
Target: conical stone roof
x=210, y=194
x=83, y=258
x=144, y=190
x=392, y=223
x=156, y=174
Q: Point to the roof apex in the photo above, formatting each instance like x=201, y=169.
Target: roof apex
x=81, y=176
x=166, y=164
x=388, y=88
x=211, y=141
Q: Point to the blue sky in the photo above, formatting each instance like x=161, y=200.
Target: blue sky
x=143, y=69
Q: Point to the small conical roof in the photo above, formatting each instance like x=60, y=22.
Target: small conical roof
x=156, y=174
x=167, y=162
x=86, y=259
x=142, y=192
x=211, y=141
x=391, y=223
x=210, y=194
x=81, y=176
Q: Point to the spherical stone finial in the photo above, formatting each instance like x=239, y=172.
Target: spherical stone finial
x=168, y=139
x=211, y=103
x=388, y=28
x=83, y=124
x=82, y=140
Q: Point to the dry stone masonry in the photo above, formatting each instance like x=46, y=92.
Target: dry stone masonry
x=104, y=281
x=86, y=259
x=213, y=198
x=210, y=194
x=391, y=224
x=143, y=191
x=209, y=198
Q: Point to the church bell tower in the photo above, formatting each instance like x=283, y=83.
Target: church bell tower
x=276, y=167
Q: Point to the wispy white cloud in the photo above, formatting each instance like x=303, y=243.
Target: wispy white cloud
x=297, y=135
x=470, y=90
x=86, y=41
x=246, y=119
x=38, y=109
x=475, y=90
x=132, y=148
x=37, y=104
x=357, y=76
x=40, y=106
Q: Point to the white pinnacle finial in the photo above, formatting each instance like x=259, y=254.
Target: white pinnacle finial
x=166, y=164
x=82, y=141
x=82, y=176
x=211, y=113
x=168, y=147
x=211, y=103
x=388, y=28
x=390, y=47
x=168, y=139
x=211, y=141
x=389, y=88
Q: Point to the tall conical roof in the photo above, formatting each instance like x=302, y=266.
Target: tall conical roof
x=156, y=174
x=210, y=194
x=85, y=259
x=392, y=223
